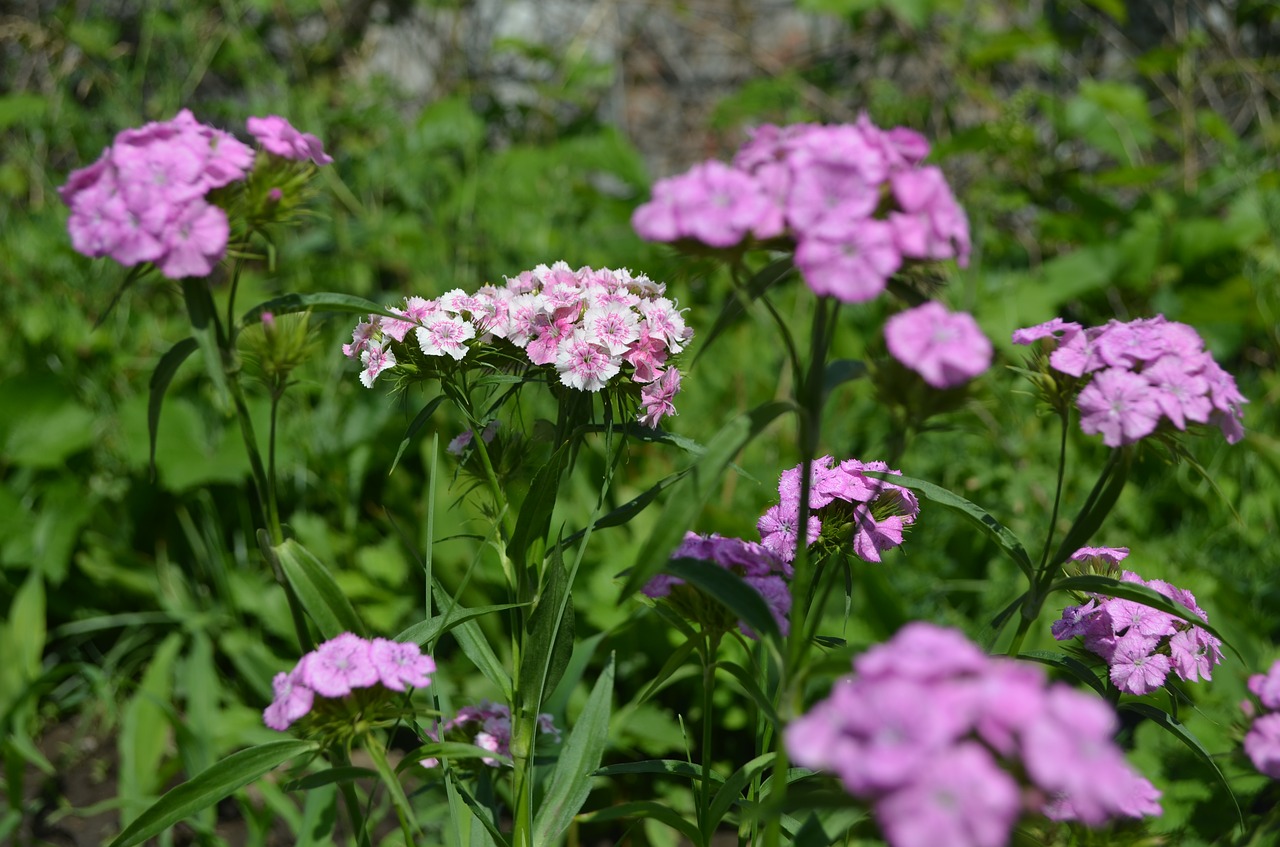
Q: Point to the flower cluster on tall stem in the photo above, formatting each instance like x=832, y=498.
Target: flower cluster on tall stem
x=854, y=200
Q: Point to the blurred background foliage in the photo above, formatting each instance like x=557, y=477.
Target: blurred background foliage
x=1117, y=159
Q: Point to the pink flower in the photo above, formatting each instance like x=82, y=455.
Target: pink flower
x=1135, y=668
x=1266, y=687
x=197, y=241
x=1262, y=744
x=1120, y=405
x=444, y=335
x=277, y=136
x=293, y=700
x=853, y=270
x=400, y=664
x=583, y=364
x=947, y=349
x=963, y=800
x=339, y=665
x=375, y=360
x=657, y=398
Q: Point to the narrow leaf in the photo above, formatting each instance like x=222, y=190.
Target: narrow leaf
x=476, y=647
x=534, y=520
x=200, y=308
x=320, y=302
x=1088, y=522
x=729, y=589
x=674, y=662
x=548, y=642
x=416, y=424
x=975, y=514
x=160, y=379
x=1167, y=722
x=329, y=776
x=316, y=588
x=631, y=508
x=668, y=767
x=579, y=758
x=692, y=492
x=731, y=791
x=747, y=681
x=647, y=809
x=424, y=632
x=735, y=306
x=1070, y=664
x=209, y=787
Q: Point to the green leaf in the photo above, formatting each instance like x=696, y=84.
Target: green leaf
x=631, y=508
x=22, y=110
x=548, y=642
x=735, y=306
x=321, y=597
x=1111, y=587
x=321, y=302
x=209, y=787
x=1095, y=512
x=328, y=776
x=975, y=514
x=160, y=379
x=647, y=809
x=416, y=424
x=534, y=521
x=476, y=647
x=451, y=750
x=841, y=371
x=1070, y=664
x=200, y=308
x=729, y=589
x=579, y=758
x=145, y=726
x=673, y=663
x=424, y=632
x=1169, y=723
x=731, y=792
x=668, y=767
x=692, y=491
x=751, y=687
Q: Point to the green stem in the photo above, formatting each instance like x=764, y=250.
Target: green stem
x=352, y=802
x=1057, y=496
x=373, y=746
x=711, y=647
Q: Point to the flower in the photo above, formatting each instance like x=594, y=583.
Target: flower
x=341, y=668
x=853, y=198
x=950, y=746
x=1141, y=644
x=278, y=137
x=1137, y=375
x=144, y=200
x=486, y=725
x=754, y=563
x=1262, y=744
x=946, y=349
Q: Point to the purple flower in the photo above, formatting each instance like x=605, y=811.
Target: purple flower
x=339, y=665
x=197, y=241
x=1120, y=405
x=400, y=664
x=1266, y=687
x=657, y=398
x=292, y=701
x=1135, y=668
x=277, y=136
x=854, y=269
x=947, y=349
x=1262, y=744
x=1057, y=329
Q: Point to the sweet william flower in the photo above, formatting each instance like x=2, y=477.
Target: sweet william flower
x=293, y=700
x=277, y=136
x=339, y=665
x=947, y=349
x=1120, y=405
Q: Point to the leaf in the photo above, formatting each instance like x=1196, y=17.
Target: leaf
x=144, y=728
x=548, y=642
x=975, y=514
x=200, y=309
x=579, y=757
x=631, y=508
x=210, y=786
x=1111, y=587
x=557, y=700
x=1096, y=510
x=476, y=647
x=674, y=662
x=751, y=687
x=418, y=422
x=692, y=491
x=669, y=767
x=321, y=302
x=735, y=306
x=1167, y=722
x=841, y=371
x=731, y=791
x=424, y=632
x=329, y=776
x=646, y=809
x=1070, y=664
x=450, y=750
x=729, y=589
x=534, y=521
x=160, y=379
x=316, y=588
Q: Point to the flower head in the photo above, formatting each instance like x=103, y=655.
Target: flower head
x=947, y=349
x=278, y=137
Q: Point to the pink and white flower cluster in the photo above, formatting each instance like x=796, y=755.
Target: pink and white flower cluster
x=951, y=746
x=1262, y=742
x=946, y=348
x=145, y=199
x=340, y=666
x=843, y=502
x=488, y=726
x=757, y=566
x=589, y=325
x=854, y=198
x=1142, y=372
x=1142, y=645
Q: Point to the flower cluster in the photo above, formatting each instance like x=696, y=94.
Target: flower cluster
x=947, y=349
x=1140, y=373
x=1262, y=742
x=936, y=735
x=146, y=198
x=853, y=198
x=843, y=501
x=487, y=726
x=589, y=325
x=757, y=566
x=1140, y=644
x=340, y=666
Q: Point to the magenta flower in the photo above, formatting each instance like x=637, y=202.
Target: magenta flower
x=400, y=664
x=339, y=665
x=277, y=136
x=853, y=269
x=486, y=725
x=1262, y=744
x=963, y=800
x=947, y=349
x=1266, y=687
x=293, y=700
x=1135, y=668
x=1120, y=405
